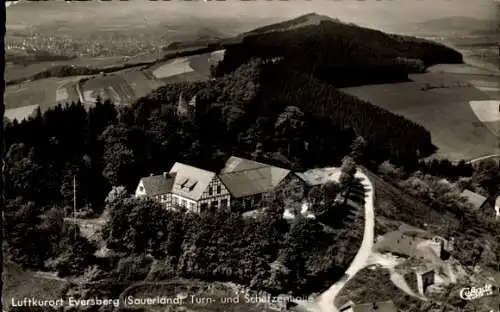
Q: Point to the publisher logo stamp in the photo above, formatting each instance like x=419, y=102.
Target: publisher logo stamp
x=472, y=293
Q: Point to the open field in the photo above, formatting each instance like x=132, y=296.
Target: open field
x=43, y=92
x=172, y=68
x=112, y=87
x=17, y=72
x=20, y=113
x=488, y=112
x=122, y=88
x=19, y=284
x=440, y=103
x=140, y=83
x=193, y=293
x=199, y=63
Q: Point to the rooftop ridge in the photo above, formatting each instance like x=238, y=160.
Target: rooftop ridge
x=197, y=168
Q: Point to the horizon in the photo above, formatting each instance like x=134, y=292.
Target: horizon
x=384, y=14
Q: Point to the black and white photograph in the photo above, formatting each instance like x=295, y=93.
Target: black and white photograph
x=251, y=156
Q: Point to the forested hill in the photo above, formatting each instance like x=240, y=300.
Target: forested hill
x=340, y=53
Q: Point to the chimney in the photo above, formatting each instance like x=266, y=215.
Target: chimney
x=151, y=174
x=165, y=175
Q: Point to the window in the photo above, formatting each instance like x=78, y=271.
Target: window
x=176, y=200
x=184, y=203
x=223, y=203
x=203, y=207
x=210, y=190
x=213, y=206
x=219, y=189
x=141, y=189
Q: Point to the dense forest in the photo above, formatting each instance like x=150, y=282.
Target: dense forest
x=339, y=53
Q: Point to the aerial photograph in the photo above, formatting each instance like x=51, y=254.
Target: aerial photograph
x=251, y=156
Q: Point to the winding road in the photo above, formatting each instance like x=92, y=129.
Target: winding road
x=325, y=301
x=483, y=158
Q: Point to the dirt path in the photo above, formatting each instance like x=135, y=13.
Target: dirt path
x=325, y=301
x=483, y=158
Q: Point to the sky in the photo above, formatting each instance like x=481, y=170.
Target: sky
x=371, y=13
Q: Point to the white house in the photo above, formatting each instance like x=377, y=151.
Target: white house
x=185, y=186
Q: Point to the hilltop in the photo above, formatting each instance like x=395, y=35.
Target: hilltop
x=339, y=53
x=301, y=21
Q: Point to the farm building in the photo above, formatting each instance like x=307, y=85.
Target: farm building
x=475, y=199
x=491, y=205
x=319, y=176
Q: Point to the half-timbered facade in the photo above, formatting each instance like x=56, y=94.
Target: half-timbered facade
x=188, y=187
x=245, y=181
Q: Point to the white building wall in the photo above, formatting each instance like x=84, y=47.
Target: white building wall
x=140, y=190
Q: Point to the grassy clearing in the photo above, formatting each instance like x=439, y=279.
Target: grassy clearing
x=21, y=113
x=445, y=112
x=172, y=68
x=19, y=283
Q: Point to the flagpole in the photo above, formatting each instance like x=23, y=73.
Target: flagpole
x=74, y=203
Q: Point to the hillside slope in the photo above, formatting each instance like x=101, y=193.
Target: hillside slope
x=337, y=52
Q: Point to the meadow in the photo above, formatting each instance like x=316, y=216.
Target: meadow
x=440, y=103
x=489, y=113
x=123, y=87
x=41, y=92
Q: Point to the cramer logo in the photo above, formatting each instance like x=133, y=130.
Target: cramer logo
x=471, y=293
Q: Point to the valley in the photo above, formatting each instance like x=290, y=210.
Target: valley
x=441, y=102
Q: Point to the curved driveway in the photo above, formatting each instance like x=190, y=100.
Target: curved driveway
x=325, y=301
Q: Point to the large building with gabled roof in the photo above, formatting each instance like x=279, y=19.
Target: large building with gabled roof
x=197, y=190
x=251, y=182
x=186, y=186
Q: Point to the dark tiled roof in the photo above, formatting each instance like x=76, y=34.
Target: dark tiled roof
x=158, y=184
x=385, y=306
x=234, y=164
x=475, y=199
x=253, y=181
